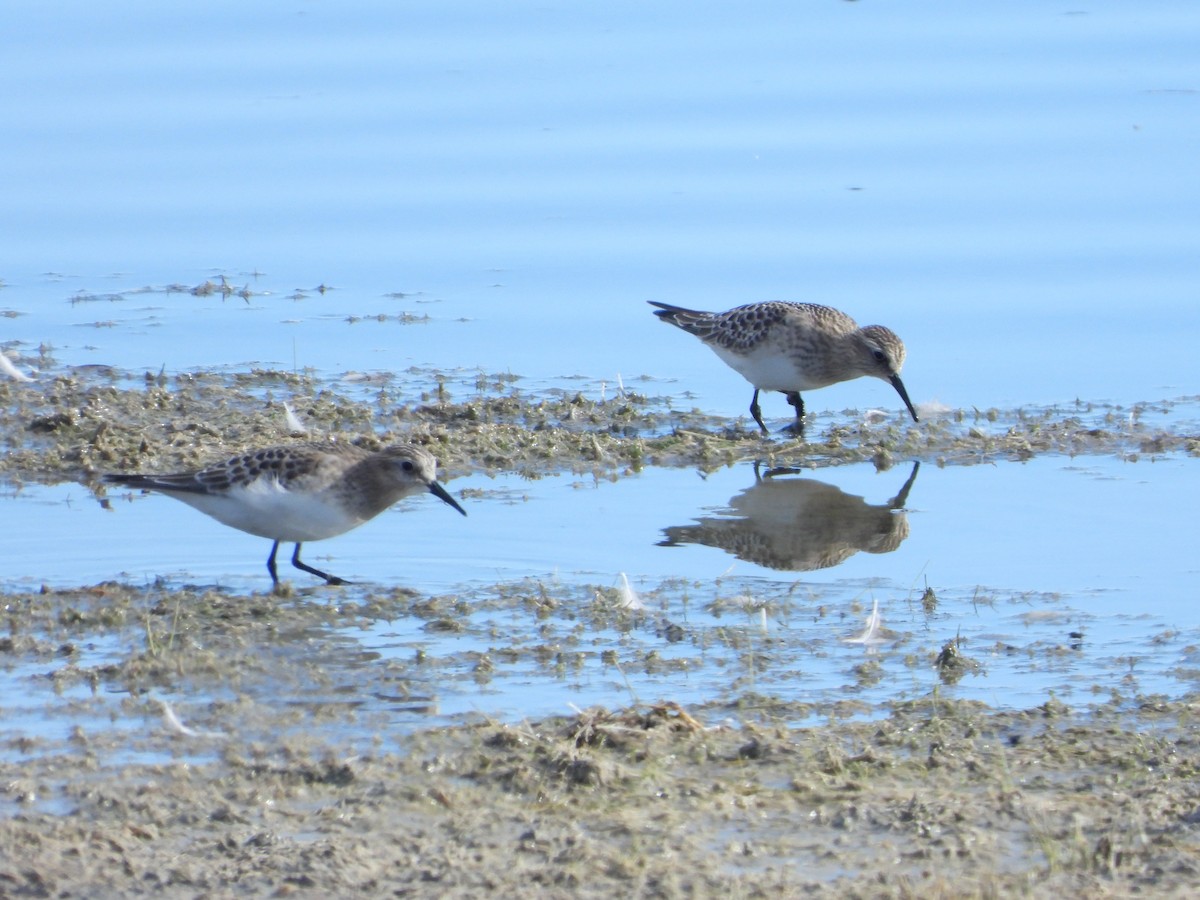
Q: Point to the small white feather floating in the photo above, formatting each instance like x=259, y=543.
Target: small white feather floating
x=872, y=633
x=295, y=426
x=172, y=721
x=628, y=596
x=12, y=371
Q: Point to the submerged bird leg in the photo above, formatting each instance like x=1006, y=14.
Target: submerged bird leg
x=797, y=403
x=756, y=411
x=329, y=579
x=271, y=563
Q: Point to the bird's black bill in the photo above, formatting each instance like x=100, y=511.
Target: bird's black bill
x=899, y=386
x=440, y=492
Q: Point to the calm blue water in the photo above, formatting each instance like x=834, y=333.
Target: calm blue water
x=1021, y=556
x=1008, y=185
x=1083, y=526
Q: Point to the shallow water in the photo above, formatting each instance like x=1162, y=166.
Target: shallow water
x=408, y=193
x=1000, y=183
x=1071, y=576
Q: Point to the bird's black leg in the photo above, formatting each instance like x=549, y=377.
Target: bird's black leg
x=329, y=579
x=794, y=398
x=271, y=563
x=797, y=402
x=756, y=411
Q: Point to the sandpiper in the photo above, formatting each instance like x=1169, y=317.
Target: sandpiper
x=794, y=347
x=300, y=492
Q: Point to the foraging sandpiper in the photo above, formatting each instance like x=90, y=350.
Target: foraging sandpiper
x=300, y=492
x=794, y=347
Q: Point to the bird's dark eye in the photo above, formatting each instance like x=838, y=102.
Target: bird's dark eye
x=880, y=356
x=407, y=465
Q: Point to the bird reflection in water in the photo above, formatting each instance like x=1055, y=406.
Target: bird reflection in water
x=799, y=524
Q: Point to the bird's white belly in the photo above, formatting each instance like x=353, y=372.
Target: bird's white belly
x=265, y=509
x=769, y=369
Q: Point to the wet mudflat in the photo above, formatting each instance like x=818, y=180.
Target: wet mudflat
x=188, y=740
x=95, y=419
x=938, y=798
x=395, y=190
x=305, y=771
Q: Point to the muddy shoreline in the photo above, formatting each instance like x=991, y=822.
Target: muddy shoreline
x=938, y=798
x=77, y=424
x=132, y=787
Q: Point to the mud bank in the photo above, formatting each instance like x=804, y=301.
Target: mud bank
x=75, y=424
x=181, y=741
x=937, y=799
